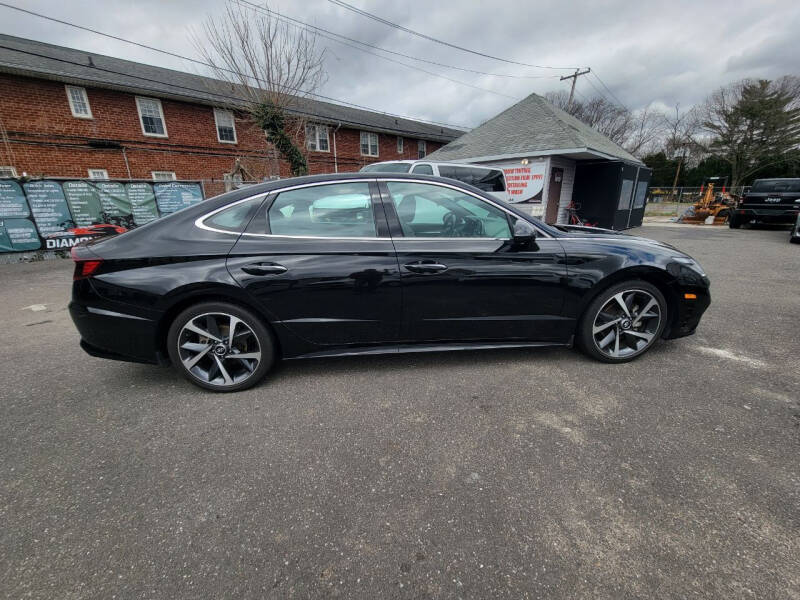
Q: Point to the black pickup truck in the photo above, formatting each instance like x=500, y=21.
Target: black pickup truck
x=768, y=201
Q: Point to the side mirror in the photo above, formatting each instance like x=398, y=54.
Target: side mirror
x=523, y=236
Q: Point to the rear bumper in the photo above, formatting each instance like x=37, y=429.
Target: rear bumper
x=744, y=214
x=116, y=335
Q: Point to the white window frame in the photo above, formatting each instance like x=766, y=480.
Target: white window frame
x=171, y=175
x=160, y=112
x=400, y=144
x=219, y=111
x=422, y=145
x=315, y=139
x=82, y=90
x=94, y=172
x=369, y=135
x=8, y=168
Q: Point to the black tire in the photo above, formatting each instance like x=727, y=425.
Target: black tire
x=586, y=338
x=734, y=223
x=237, y=371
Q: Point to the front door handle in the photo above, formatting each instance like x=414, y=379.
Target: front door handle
x=264, y=269
x=425, y=267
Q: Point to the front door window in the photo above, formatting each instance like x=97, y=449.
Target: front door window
x=427, y=210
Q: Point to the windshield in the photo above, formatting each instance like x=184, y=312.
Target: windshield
x=387, y=168
x=775, y=185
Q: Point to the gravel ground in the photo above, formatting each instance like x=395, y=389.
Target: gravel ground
x=505, y=474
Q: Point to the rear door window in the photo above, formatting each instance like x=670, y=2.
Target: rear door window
x=396, y=167
x=488, y=180
x=422, y=170
x=335, y=210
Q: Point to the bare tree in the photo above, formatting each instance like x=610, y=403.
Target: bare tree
x=646, y=131
x=560, y=99
x=597, y=112
x=636, y=131
x=273, y=67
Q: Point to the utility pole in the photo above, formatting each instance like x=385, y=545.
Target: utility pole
x=574, y=78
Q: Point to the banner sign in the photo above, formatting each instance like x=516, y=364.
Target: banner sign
x=174, y=196
x=524, y=182
x=57, y=214
x=143, y=202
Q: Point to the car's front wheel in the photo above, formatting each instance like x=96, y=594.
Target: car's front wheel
x=221, y=347
x=623, y=322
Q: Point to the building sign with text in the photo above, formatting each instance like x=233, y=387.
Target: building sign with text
x=524, y=183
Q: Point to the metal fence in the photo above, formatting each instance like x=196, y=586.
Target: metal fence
x=685, y=195
x=674, y=201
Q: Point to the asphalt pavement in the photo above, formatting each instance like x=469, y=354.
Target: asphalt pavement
x=495, y=474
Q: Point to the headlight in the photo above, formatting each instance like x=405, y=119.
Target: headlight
x=689, y=262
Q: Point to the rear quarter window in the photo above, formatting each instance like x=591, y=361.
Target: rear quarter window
x=235, y=218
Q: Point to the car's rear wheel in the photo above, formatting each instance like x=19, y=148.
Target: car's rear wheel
x=221, y=347
x=734, y=223
x=623, y=322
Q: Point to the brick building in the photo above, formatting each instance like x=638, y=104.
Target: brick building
x=71, y=113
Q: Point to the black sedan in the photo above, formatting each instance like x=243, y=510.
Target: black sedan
x=364, y=264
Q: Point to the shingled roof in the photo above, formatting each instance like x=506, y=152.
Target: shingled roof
x=37, y=59
x=531, y=127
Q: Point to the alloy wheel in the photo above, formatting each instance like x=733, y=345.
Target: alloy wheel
x=627, y=323
x=219, y=349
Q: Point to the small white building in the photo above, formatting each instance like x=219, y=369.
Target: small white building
x=543, y=152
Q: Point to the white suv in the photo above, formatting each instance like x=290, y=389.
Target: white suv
x=487, y=179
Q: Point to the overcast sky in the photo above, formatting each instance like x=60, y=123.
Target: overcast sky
x=645, y=52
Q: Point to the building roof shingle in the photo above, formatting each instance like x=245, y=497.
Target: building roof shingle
x=534, y=126
x=37, y=59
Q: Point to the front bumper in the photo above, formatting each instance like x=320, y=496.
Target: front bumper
x=689, y=313
x=692, y=296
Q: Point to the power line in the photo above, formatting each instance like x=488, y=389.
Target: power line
x=200, y=62
x=476, y=87
x=610, y=92
x=438, y=41
x=235, y=99
x=307, y=25
x=600, y=92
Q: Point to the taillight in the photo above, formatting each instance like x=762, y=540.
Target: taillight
x=85, y=268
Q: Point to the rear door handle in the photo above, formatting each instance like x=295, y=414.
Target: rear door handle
x=264, y=269
x=425, y=267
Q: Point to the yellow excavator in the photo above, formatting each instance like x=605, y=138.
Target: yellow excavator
x=711, y=204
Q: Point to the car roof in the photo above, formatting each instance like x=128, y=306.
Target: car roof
x=434, y=162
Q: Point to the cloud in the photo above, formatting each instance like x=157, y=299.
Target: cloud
x=645, y=53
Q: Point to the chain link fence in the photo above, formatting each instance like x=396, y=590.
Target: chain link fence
x=674, y=201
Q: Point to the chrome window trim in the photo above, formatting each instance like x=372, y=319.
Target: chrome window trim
x=316, y=237
x=199, y=222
